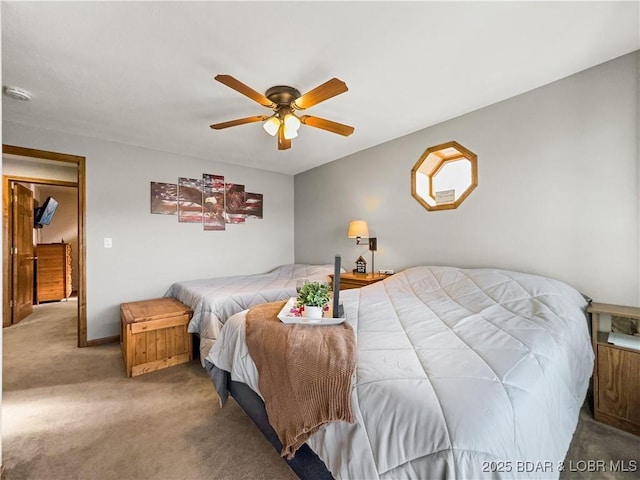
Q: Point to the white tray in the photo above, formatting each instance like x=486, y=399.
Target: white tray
x=286, y=316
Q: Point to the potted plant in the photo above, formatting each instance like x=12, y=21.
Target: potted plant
x=313, y=297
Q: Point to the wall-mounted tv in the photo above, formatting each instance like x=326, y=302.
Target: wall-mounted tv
x=44, y=214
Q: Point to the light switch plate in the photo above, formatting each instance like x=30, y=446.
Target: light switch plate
x=108, y=242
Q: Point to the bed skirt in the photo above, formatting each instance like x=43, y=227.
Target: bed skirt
x=306, y=464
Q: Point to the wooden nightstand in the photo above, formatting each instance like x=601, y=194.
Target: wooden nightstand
x=616, y=375
x=154, y=335
x=357, y=280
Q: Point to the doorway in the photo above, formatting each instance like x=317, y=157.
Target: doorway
x=44, y=157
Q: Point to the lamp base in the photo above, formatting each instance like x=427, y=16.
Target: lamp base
x=373, y=246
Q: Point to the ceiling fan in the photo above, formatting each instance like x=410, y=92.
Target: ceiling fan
x=285, y=101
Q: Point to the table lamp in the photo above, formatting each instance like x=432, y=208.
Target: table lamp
x=359, y=229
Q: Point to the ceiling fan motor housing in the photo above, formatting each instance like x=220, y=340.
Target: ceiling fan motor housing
x=282, y=94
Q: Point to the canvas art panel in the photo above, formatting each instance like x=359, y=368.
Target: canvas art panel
x=164, y=198
x=253, y=205
x=234, y=203
x=189, y=200
x=213, y=205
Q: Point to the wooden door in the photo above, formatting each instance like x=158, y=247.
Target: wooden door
x=22, y=249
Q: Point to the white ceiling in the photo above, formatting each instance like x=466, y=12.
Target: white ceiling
x=141, y=73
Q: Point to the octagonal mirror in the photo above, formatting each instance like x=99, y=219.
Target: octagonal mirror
x=444, y=176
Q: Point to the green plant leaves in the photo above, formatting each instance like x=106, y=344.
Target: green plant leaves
x=314, y=294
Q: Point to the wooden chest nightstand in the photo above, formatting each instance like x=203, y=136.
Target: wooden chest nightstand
x=154, y=335
x=357, y=280
x=616, y=375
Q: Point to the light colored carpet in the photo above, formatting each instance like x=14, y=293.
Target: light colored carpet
x=601, y=452
x=70, y=413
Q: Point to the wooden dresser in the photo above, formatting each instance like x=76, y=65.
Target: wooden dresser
x=53, y=271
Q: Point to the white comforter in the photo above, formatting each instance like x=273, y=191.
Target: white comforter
x=461, y=374
x=214, y=300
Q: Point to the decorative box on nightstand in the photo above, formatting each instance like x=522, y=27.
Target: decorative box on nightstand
x=357, y=280
x=616, y=375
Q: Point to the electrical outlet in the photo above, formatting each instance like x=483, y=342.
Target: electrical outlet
x=386, y=272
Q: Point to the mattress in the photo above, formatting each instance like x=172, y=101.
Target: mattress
x=214, y=300
x=462, y=373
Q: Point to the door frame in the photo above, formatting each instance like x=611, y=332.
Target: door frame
x=79, y=161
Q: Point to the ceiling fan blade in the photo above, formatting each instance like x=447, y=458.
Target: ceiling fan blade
x=328, y=125
x=240, y=87
x=327, y=90
x=239, y=121
x=283, y=143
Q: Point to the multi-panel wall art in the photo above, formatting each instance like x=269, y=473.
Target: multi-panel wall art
x=207, y=200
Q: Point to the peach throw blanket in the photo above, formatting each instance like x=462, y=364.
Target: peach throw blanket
x=305, y=373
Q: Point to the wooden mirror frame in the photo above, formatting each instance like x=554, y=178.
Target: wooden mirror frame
x=446, y=152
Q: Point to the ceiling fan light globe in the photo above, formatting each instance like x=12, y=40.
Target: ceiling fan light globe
x=290, y=133
x=271, y=126
x=291, y=122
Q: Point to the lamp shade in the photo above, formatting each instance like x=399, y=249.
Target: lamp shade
x=291, y=121
x=289, y=133
x=358, y=228
x=271, y=125
x=291, y=126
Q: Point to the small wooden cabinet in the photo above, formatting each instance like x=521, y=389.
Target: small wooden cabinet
x=616, y=376
x=154, y=335
x=53, y=271
x=357, y=280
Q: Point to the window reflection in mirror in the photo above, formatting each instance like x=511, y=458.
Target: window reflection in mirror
x=444, y=176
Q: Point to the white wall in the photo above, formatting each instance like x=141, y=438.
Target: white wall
x=17, y=166
x=558, y=190
x=150, y=252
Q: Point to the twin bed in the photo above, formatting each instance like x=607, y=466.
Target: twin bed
x=476, y=373
x=214, y=300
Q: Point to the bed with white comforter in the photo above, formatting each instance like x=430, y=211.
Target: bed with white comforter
x=476, y=373
x=214, y=300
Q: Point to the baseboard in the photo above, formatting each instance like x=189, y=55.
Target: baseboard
x=101, y=341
